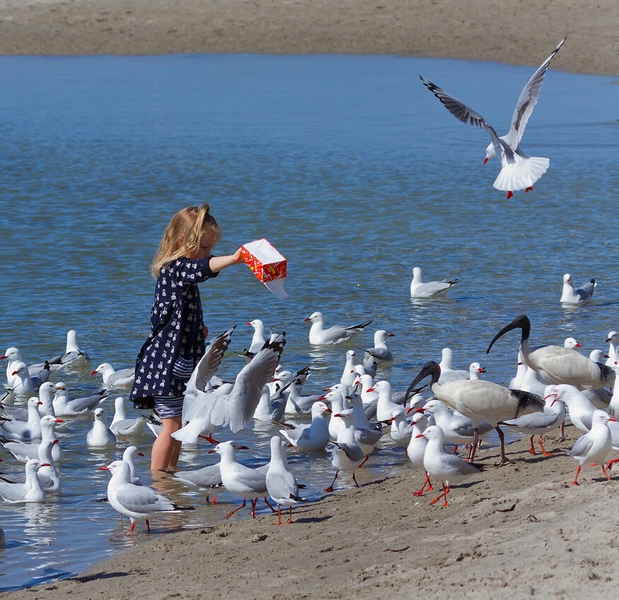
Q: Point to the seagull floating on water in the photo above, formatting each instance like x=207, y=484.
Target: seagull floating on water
x=421, y=289
x=100, y=435
x=572, y=295
x=123, y=378
x=518, y=171
x=29, y=491
x=319, y=336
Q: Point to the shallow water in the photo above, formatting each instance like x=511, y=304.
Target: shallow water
x=350, y=167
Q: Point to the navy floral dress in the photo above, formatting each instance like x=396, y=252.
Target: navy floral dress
x=176, y=342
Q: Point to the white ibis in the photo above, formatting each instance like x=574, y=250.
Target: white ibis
x=556, y=364
x=480, y=401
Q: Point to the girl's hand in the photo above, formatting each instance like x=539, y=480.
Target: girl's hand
x=238, y=256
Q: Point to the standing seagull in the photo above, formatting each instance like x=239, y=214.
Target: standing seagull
x=518, y=171
x=346, y=455
x=556, y=364
x=592, y=447
x=417, y=447
x=238, y=479
x=572, y=295
x=138, y=502
x=540, y=423
x=442, y=465
x=281, y=483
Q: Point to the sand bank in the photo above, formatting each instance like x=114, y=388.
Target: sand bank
x=491, y=30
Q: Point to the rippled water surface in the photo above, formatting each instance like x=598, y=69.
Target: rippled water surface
x=349, y=167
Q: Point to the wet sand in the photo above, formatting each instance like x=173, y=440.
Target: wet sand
x=520, y=530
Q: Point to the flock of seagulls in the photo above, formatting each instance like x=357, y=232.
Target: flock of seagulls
x=349, y=421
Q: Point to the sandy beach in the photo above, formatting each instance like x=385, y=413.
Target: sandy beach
x=521, y=530
x=489, y=30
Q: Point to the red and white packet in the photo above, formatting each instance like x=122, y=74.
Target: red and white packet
x=267, y=264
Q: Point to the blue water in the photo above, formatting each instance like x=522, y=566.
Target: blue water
x=350, y=167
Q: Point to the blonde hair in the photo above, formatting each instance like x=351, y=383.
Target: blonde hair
x=182, y=235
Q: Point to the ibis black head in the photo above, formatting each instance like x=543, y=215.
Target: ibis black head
x=520, y=322
x=430, y=368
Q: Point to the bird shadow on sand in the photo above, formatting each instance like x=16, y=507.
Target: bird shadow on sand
x=102, y=575
x=313, y=519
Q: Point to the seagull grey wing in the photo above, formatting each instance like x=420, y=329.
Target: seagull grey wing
x=86, y=403
x=209, y=476
x=12, y=492
x=141, y=499
x=581, y=446
x=527, y=100
x=467, y=115
x=281, y=484
x=367, y=436
x=457, y=465
x=211, y=360
x=586, y=291
x=352, y=451
x=237, y=409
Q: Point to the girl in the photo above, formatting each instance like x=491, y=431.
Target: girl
x=176, y=342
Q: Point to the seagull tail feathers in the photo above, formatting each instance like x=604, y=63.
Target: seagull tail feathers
x=521, y=174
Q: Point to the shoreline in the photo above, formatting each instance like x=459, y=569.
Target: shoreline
x=521, y=528
x=479, y=30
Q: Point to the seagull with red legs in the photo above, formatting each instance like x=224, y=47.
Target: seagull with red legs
x=593, y=447
x=518, y=171
x=138, y=502
x=445, y=466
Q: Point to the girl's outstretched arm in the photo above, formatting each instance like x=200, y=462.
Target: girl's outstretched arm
x=217, y=263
